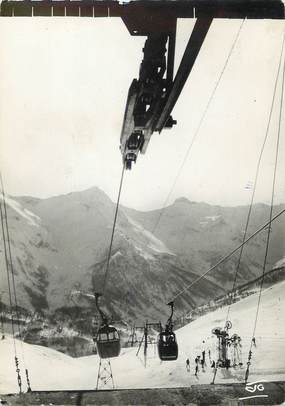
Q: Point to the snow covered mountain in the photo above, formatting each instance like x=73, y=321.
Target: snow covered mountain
x=63, y=372
x=201, y=234
x=62, y=242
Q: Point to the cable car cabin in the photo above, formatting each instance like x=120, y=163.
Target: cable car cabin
x=167, y=346
x=108, y=342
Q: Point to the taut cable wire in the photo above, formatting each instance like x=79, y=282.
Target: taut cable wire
x=113, y=232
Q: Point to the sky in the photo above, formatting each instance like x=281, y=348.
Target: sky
x=63, y=89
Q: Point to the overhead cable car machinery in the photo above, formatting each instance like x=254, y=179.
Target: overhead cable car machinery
x=152, y=96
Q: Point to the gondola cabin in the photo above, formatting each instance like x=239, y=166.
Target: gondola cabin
x=108, y=342
x=167, y=346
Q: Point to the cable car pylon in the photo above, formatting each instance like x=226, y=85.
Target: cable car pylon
x=132, y=340
x=146, y=339
x=105, y=379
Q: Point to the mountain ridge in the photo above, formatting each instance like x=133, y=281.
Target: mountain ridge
x=68, y=242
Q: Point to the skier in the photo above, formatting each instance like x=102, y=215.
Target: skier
x=197, y=360
x=239, y=346
x=187, y=365
x=203, y=361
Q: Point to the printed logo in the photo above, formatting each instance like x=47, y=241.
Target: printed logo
x=255, y=387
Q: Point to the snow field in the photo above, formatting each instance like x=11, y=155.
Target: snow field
x=32, y=219
x=51, y=370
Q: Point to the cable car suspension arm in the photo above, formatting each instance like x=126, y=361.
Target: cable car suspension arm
x=95, y=297
x=103, y=316
x=169, y=323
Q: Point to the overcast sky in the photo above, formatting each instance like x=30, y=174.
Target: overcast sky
x=63, y=88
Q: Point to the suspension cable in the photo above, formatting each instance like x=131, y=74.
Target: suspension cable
x=226, y=257
x=6, y=227
x=256, y=179
x=270, y=218
x=9, y=253
x=10, y=298
x=2, y=316
x=113, y=232
x=2, y=325
x=198, y=128
x=7, y=271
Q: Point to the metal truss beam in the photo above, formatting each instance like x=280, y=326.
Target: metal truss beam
x=168, y=9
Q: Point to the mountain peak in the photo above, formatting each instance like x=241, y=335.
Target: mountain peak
x=183, y=200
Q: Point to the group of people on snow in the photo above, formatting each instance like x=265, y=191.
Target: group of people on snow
x=200, y=360
x=209, y=354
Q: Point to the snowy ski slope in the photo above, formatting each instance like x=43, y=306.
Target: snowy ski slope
x=51, y=370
